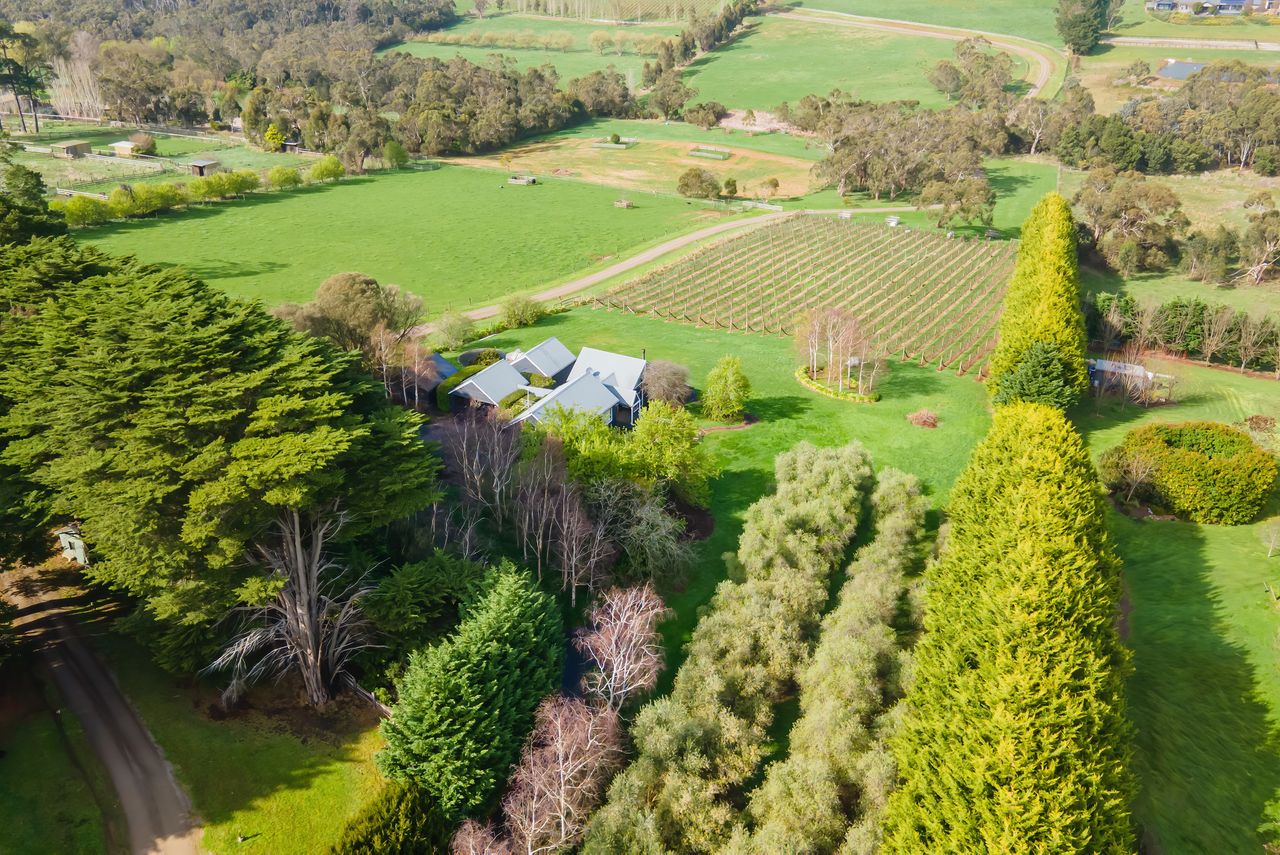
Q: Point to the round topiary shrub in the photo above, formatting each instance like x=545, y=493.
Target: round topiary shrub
x=1206, y=471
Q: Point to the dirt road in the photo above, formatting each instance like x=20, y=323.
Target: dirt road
x=1041, y=58
x=568, y=289
x=156, y=810
x=1192, y=44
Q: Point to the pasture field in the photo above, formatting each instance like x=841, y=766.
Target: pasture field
x=786, y=59
x=1139, y=23
x=1100, y=70
x=652, y=165
x=1205, y=692
x=576, y=61
x=1162, y=286
x=926, y=296
x=457, y=237
x=1030, y=19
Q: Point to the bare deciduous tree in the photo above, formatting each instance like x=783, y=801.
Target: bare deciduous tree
x=1136, y=472
x=562, y=774
x=1112, y=329
x=472, y=838
x=1252, y=337
x=1218, y=325
x=311, y=627
x=1146, y=326
x=482, y=453
x=582, y=546
x=623, y=643
x=1270, y=535
x=666, y=381
x=538, y=485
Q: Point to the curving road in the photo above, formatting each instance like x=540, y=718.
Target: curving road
x=1041, y=58
x=155, y=808
x=582, y=283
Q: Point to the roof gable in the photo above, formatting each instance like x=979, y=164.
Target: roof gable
x=490, y=385
x=620, y=373
x=583, y=394
x=548, y=358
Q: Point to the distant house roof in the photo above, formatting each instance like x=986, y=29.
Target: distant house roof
x=548, y=358
x=1180, y=70
x=204, y=162
x=620, y=373
x=585, y=393
x=490, y=385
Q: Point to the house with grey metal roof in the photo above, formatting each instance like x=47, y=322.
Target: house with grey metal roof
x=621, y=374
x=550, y=359
x=585, y=394
x=490, y=385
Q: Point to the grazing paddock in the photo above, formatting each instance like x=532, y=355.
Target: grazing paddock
x=925, y=295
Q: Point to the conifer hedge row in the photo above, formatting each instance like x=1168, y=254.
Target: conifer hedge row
x=1042, y=307
x=831, y=789
x=466, y=705
x=697, y=747
x=1015, y=737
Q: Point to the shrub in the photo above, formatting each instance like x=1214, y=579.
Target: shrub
x=83, y=211
x=725, y=398
x=541, y=381
x=273, y=138
x=666, y=381
x=1209, y=472
x=518, y=311
x=924, y=418
x=143, y=143
x=514, y=402
x=730, y=187
x=487, y=356
x=409, y=604
x=453, y=330
x=283, y=178
x=394, y=155
x=1266, y=160
x=698, y=183
x=705, y=115
x=327, y=168
x=240, y=182
x=1025, y=596
x=615, y=139
x=400, y=820
x=466, y=705
x=666, y=450
x=443, y=401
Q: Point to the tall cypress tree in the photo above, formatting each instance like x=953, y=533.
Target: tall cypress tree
x=1016, y=737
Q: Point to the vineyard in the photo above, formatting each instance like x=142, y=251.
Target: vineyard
x=926, y=296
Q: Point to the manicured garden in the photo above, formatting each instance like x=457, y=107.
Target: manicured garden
x=458, y=237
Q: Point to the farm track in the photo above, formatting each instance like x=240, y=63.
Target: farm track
x=925, y=296
x=1043, y=59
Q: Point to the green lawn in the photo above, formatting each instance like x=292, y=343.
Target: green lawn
x=773, y=142
x=788, y=414
x=784, y=60
x=48, y=778
x=1205, y=695
x=575, y=62
x=1160, y=287
x=288, y=788
x=1032, y=19
x=459, y=237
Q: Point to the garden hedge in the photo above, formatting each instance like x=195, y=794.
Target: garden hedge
x=1015, y=737
x=453, y=382
x=400, y=820
x=1207, y=471
x=1042, y=304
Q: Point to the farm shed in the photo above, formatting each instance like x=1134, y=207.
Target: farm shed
x=203, y=167
x=124, y=148
x=70, y=148
x=522, y=180
x=491, y=385
x=550, y=359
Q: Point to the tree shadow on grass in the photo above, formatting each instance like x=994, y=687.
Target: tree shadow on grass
x=215, y=209
x=1207, y=749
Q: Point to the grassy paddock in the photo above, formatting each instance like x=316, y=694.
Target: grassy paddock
x=1031, y=19
x=458, y=237
x=1100, y=70
x=1205, y=694
x=784, y=60
x=576, y=62
x=1160, y=287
